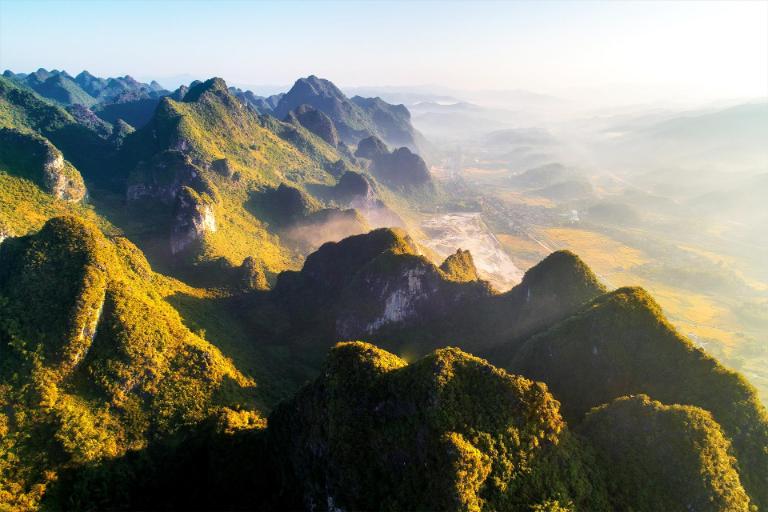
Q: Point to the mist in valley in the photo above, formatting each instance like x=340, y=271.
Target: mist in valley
x=672, y=196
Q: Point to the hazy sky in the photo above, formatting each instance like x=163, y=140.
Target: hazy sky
x=705, y=49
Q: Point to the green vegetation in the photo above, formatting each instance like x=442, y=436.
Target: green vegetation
x=448, y=432
x=460, y=266
x=32, y=156
x=621, y=344
x=121, y=388
x=94, y=362
x=664, y=457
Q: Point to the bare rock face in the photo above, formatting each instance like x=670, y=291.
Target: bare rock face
x=193, y=218
x=251, y=275
x=32, y=156
x=396, y=290
x=5, y=233
x=163, y=178
x=61, y=179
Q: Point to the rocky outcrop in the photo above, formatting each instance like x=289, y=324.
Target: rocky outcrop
x=665, y=457
x=372, y=148
x=353, y=186
x=172, y=179
x=4, y=233
x=400, y=168
x=355, y=118
x=60, y=178
x=396, y=290
x=460, y=266
x=250, y=275
x=34, y=157
x=447, y=432
x=222, y=167
x=316, y=122
x=374, y=281
x=163, y=177
x=192, y=219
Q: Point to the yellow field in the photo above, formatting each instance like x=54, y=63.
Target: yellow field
x=523, y=251
x=602, y=253
x=514, y=197
x=477, y=171
x=696, y=315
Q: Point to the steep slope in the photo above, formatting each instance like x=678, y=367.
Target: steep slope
x=401, y=169
x=35, y=158
x=376, y=286
x=229, y=156
x=363, y=285
x=84, y=89
x=459, y=266
x=494, y=324
x=621, y=344
x=448, y=432
x=94, y=362
x=24, y=110
x=664, y=457
x=355, y=119
x=316, y=122
x=392, y=122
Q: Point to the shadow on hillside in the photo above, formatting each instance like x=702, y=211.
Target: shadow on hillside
x=199, y=468
x=247, y=329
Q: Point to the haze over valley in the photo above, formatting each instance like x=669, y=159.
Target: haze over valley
x=500, y=256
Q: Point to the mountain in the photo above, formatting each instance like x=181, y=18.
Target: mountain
x=377, y=287
x=355, y=118
x=316, y=122
x=400, y=168
x=262, y=104
x=448, y=431
x=34, y=157
x=367, y=411
x=88, y=96
x=664, y=457
x=569, y=190
x=543, y=176
x=177, y=303
x=730, y=138
x=620, y=344
x=94, y=361
x=232, y=160
x=22, y=109
x=84, y=89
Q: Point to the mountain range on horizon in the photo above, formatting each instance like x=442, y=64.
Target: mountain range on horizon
x=215, y=300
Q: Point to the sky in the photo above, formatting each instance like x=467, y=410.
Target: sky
x=686, y=48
